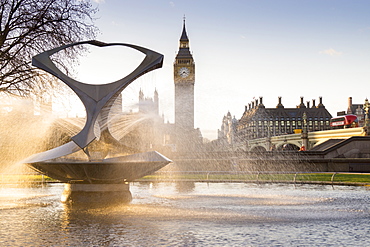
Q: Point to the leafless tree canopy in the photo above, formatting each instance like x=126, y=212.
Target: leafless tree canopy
x=29, y=27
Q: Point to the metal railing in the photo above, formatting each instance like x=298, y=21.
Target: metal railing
x=343, y=178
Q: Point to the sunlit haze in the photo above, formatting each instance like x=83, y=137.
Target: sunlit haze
x=242, y=50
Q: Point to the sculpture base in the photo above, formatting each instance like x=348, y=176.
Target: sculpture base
x=97, y=194
x=116, y=170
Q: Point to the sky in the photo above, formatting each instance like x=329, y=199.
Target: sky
x=243, y=50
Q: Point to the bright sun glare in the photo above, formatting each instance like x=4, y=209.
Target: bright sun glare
x=102, y=65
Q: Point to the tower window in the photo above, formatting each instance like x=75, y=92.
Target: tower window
x=182, y=61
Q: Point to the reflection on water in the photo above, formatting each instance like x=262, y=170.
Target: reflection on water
x=190, y=214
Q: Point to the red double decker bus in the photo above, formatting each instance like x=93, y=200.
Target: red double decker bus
x=347, y=121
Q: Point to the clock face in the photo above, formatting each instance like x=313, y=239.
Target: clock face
x=184, y=72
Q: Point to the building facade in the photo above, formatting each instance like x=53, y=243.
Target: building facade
x=187, y=138
x=227, y=133
x=184, y=78
x=147, y=104
x=259, y=122
x=355, y=109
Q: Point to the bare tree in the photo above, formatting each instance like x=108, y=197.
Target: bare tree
x=29, y=27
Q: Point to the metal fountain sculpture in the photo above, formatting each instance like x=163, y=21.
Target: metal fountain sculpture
x=96, y=178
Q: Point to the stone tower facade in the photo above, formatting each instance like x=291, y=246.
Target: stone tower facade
x=184, y=78
x=149, y=105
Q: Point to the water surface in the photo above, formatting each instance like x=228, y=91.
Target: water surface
x=190, y=214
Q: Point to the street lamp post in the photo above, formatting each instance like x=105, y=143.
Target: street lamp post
x=367, y=120
x=304, y=134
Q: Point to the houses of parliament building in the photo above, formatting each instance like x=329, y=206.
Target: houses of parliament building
x=260, y=122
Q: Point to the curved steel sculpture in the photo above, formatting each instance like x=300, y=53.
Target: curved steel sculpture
x=98, y=100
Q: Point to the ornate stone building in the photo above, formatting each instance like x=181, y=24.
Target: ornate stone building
x=187, y=138
x=146, y=130
x=227, y=133
x=184, y=77
x=149, y=105
x=355, y=109
x=261, y=122
x=258, y=121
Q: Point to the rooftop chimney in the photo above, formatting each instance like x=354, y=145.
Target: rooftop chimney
x=301, y=105
x=320, y=105
x=349, y=109
x=261, y=103
x=279, y=105
x=349, y=101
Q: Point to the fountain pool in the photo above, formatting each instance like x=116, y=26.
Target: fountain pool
x=190, y=214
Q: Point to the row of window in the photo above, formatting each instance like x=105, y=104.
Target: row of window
x=184, y=61
x=282, y=128
x=253, y=131
x=262, y=134
x=291, y=119
x=282, y=123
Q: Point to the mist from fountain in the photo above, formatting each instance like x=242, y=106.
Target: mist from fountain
x=22, y=133
x=97, y=162
x=58, y=132
x=25, y=133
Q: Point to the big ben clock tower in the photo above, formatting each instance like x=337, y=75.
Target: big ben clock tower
x=184, y=77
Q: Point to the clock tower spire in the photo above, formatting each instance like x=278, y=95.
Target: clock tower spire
x=184, y=78
x=184, y=40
